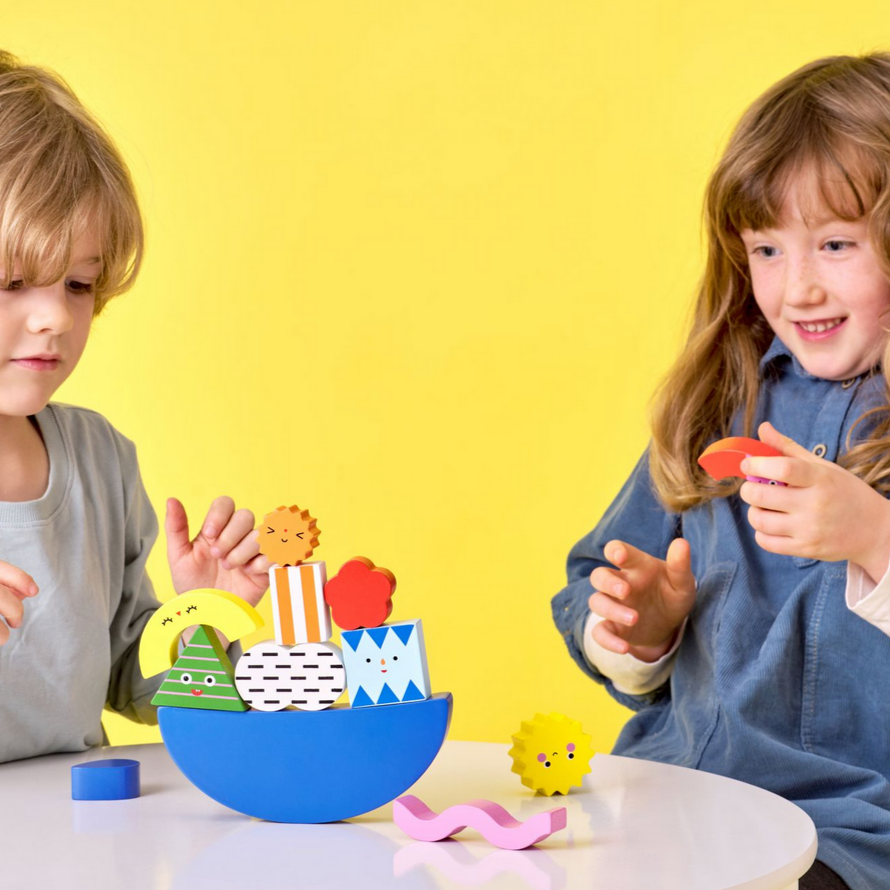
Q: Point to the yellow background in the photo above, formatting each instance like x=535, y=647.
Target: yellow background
x=416, y=266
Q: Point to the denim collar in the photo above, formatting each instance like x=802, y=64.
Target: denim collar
x=777, y=349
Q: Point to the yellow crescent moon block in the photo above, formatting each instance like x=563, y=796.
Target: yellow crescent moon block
x=218, y=608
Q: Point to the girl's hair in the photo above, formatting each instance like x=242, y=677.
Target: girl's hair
x=827, y=123
x=61, y=174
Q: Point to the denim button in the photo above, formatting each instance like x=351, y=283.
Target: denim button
x=820, y=450
x=848, y=383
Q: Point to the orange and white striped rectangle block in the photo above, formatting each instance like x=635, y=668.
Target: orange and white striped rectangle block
x=298, y=607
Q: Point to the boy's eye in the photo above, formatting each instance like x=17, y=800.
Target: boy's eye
x=79, y=287
x=841, y=243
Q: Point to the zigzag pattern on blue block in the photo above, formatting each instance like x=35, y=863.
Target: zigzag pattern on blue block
x=362, y=699
x=387, y=696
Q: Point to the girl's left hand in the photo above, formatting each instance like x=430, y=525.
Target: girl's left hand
x=826, y=512
x=224, y=555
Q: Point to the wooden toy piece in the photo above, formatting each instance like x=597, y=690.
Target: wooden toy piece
x=316, y=675
x=299, y=610
x=105, y=780
x=307, y=766
x=551, y=753
x=288, y=535
x=724, y=457
x=490, y=819
x=386, y=665
x=360, y=594
x=203, y=677
x=262, y=677
x=215, y=608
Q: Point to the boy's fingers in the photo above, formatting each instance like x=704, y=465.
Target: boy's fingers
x=4, y=633
x=11, y=607
x=244, y=551
x=176, y=525
x=218, y=517
x=238, y=527
x=604, y=635
x=19, y=581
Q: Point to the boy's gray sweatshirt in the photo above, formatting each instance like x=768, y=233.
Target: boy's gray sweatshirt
x=85, y=543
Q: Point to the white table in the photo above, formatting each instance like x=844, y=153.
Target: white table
x=635, y=826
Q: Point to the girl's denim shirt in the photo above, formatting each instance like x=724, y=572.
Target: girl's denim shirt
x=776, y=681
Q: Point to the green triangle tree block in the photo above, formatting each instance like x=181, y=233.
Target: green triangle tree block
x=203, y=677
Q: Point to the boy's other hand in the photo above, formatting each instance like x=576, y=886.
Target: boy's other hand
x=15, y=586
x=644, y=601
x=224, y=555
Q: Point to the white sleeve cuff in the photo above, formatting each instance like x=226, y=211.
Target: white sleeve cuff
x=627, y=673
x=869, y=600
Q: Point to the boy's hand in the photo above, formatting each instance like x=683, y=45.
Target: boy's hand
x=224, y=554
x=825, y=512
x=15, y=586
x=644, y=600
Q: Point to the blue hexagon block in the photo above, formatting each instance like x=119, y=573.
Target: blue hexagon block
x=306, y=766
x=386, y=665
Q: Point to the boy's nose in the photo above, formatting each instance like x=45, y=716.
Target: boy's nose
x=49, y=310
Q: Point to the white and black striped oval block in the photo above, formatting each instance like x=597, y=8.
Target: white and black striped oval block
x=263, y=676
x=317, y=675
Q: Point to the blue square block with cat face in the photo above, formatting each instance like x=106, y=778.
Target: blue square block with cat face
x=386, y=665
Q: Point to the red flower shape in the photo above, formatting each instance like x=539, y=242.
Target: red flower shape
x=360, y=594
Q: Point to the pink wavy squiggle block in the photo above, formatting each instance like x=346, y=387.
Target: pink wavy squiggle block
x=491, y=820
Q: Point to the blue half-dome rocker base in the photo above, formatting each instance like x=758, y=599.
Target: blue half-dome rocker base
x=307, y=766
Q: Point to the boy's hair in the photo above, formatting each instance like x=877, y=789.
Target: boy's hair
x=829, y=121
x=59, y=174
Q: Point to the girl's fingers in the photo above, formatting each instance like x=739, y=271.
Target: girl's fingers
x=4, y=633
x=626, y=555
x=20, y=582
x=609, y=581
x=607, y=608
x=604, y=635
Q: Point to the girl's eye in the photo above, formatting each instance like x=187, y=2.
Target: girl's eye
x=829, y=244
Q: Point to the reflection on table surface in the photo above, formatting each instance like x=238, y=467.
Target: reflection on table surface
x=633, y=825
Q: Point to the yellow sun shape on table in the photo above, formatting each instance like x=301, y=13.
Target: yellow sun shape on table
x=288, y=535
x=551, y=753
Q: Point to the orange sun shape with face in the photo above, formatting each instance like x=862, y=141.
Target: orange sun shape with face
x=288, y=535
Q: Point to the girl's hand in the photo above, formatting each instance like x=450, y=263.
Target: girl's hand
x=224, y=555
x=15, y=586
x=644, y=601
x=825, y=512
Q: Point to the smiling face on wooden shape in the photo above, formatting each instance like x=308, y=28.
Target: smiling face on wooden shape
x=288, y=536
